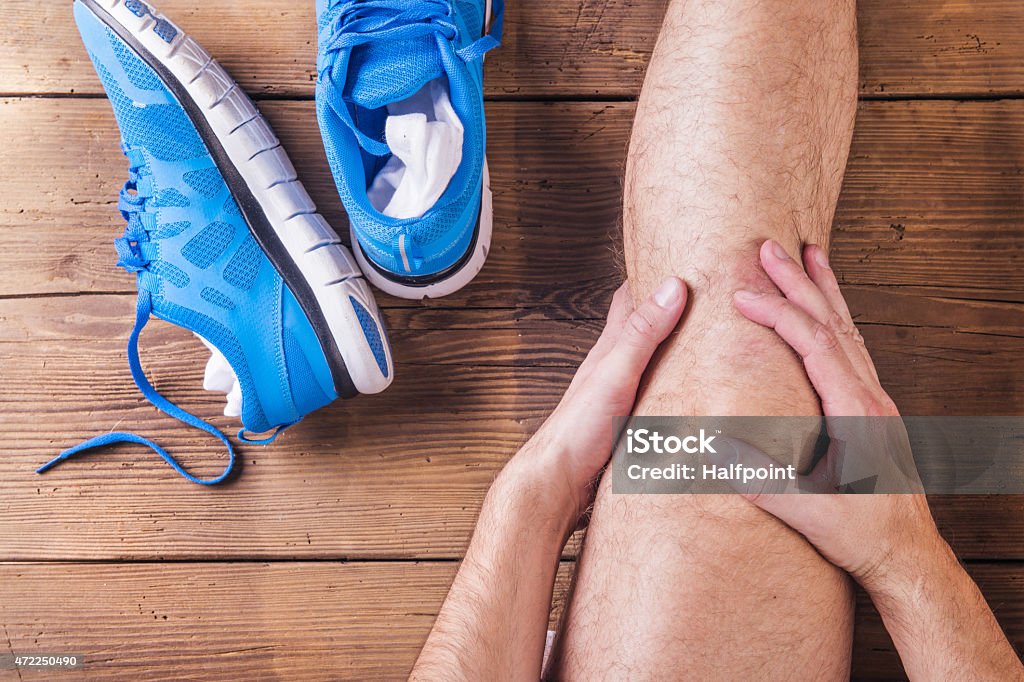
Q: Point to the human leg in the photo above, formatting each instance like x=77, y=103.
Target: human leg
x=741, y=135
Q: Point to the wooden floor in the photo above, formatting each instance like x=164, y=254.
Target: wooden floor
x=329, y=555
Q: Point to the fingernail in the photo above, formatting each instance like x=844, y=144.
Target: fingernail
x=668, y=293
x=779, y=252
x=728, y=452
x=745, y=295
x=820, y=257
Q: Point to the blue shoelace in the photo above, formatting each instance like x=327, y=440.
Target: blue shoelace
x=135, y=251
x=357, y=22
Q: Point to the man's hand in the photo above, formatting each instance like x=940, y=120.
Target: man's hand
x=492, y=624
x=938, y=619
x=876, y=538
x=575, y=443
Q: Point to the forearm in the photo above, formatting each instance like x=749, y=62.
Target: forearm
x=493, y=622
x=940, y=623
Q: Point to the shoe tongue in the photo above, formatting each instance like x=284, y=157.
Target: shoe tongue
x=383, y=72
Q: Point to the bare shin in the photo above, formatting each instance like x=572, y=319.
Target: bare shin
x=741, y=134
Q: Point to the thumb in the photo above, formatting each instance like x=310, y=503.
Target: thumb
x=644, y=330
x=779, y=497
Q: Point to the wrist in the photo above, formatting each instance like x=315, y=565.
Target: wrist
x=905, y=576
x=532, y=486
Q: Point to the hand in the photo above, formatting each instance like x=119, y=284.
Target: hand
x=492, y=623
x=575, y=443
x=876, y=538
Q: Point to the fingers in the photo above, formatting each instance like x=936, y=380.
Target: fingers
x=621, y=308
x=807, y=336
x=819, y=271
x=820, y=299
x=794, y=283
x=833, y=376
x=729, y=451
x=643, y=331
x=816, y=323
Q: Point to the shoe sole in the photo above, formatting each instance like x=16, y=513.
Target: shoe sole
x=454, y=278
x=308, y=254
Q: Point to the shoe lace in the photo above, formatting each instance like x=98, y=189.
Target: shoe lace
x=135, y=252
x=135, y=249
x=358, y=22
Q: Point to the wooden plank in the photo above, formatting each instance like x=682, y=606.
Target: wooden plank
x=346, y=482
x=55, y=232
x=938, y=307
x=48, y=344
x=933, y=198
x=307, y=621
x=226, y=621
x=980, y=374
x=584, y=48
x=549, y=49
x=941, y=47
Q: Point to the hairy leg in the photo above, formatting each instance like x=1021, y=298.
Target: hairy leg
x=741, y=134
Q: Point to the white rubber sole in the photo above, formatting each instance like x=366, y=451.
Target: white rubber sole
x=316, y=250
x=456, y=281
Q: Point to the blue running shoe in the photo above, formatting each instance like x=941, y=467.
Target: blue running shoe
x=223, y=238
x=376, y=60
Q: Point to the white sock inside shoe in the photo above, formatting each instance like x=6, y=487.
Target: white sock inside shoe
x=425, y=137
x=221, y=378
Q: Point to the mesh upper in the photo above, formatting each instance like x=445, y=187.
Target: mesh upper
x=170, y=272
x=385, y=72
x=205, y=181
x=213, y=296
x=170, y=197
x=227, y=343
x=205, y=270
x=209, y=244
x=381, y=72
x=472, y=14
x=140, y=75
x=230, y=208
x=168, y=230
x=306, y=392
x=163, y=129
x=243, y=268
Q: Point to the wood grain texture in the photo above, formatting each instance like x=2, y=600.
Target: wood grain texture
x=555, y=193
x=307, y=621
x=928, y=241
x=941, y=47
x=583, y=48
x=934, y=197
x=345, y=483
x=314, y=621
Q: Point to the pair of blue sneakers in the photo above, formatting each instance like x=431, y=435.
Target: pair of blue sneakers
x=223, y=238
